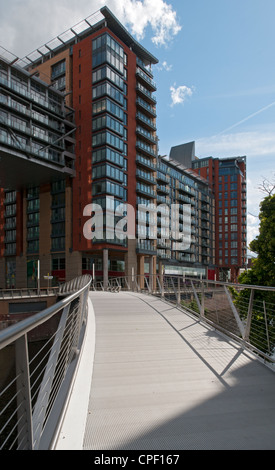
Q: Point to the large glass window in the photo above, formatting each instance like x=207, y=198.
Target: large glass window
x=108, y=154
x=101, y=171
x=108, y=138
x=109, y=122
x=107, y=89
x=106, y=49
x=58, y=69
x=107, y=73
x=108, y=105
x=108, y=187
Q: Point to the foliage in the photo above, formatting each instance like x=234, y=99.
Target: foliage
x=263, y=268
x=262, y=273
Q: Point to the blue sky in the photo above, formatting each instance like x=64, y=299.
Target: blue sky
x=215, y=77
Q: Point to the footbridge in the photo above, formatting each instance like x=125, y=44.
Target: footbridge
x=160, y=363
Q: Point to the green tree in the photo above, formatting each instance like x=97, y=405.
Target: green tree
x=262, y=273
x=263, y=268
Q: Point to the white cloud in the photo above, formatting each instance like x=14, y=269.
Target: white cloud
x=258, y=143
x=180, y=94
x=259, y=147
x=25, y=26
x=140, y=14
x=165, y=66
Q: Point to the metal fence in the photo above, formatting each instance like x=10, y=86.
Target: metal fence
x=7, y=294
x=245, y=313
x=36, y=376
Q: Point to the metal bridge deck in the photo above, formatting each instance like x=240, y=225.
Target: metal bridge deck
x=164, y=381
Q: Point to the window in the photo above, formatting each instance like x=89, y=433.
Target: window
x=106, y=49
x=58, y=264
x=58, y=69
x=108, y=138
x=109, y=122
x=58, y=244
x=107, y=73
x=108, y=187
x=102, y=171
x=107, y=89
x=109, y=106
x=109, y=155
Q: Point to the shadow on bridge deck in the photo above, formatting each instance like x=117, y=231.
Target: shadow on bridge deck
x=164, y=381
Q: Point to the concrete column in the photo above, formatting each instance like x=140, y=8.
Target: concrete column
x=131, y=260
x=140, y=278
x=105, y=268
x=161, y=277
x=2, y=273
x=151, y=272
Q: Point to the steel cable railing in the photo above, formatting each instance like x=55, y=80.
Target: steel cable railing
x=245, y=313
x=38, y=375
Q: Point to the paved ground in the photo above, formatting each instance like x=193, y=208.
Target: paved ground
x=163, y=381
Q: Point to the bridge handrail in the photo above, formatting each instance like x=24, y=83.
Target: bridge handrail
x=12, y=333
x=241, y=311
x=39, y=401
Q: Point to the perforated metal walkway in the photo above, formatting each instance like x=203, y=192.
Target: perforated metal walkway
x=163, y=381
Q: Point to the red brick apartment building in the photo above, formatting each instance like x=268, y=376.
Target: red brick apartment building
x=79, y=127
x=227, y=177
x=106, y=76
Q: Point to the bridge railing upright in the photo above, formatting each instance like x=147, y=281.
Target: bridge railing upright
x=244, y=312
x=36, y=376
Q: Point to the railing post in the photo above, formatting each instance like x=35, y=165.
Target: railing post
x=161, y=283
x=45, y=388
x=249, y=316
x=24, y=413
x=202, y=310
x=196, y=297
x=178, y=293
x=266, y=326
x=235, y=312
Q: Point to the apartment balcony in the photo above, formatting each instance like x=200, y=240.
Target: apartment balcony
x=145, y=176
x=37, y=163
x=145, y=148
x=163, y=199
x=145, y=79
x=146, y=108
x=164, y=244
x=163, y=254
x=146, y=121
x=146, y=190
x=162, y=177
x=163, y=189
x=146, y=247
x=146, y=94
x=34, y=132
x=145, y=162
x=184, y=199
x=24, y=92
x=147, y=136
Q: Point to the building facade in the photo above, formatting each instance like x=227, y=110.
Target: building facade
x=107, y=79
x=183, y=187
x=227, y=176
x=105, y=147
x=36, y=149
